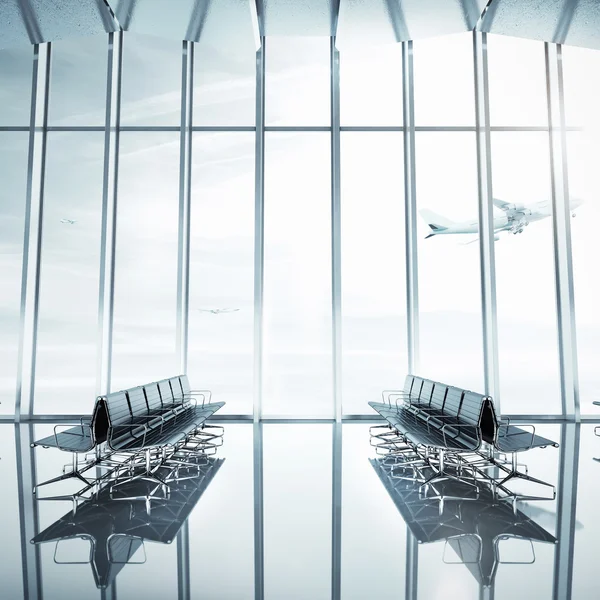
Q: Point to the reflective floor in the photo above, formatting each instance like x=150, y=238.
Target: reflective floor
x=330, y=527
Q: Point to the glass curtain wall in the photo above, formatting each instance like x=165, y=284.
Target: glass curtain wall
x=297, y=333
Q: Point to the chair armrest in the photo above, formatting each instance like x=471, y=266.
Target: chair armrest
x=206, y=395
x=520, y=432
x=392, y=394
x=458, y=427
x=82, y=434
x=114, y=428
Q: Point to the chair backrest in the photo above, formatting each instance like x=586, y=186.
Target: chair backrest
x=137, y=401
x=117, y=408
x=153, y=397
x=176, y=388
x=472, y=408
x=415, y=390
x=453, y=401
x=166, y=393
x=185, y=384
x=408, y=383
x=426, y=391
x=439, y=395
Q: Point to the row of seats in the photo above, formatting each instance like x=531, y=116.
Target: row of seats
x=153, y=415
x=438, y=415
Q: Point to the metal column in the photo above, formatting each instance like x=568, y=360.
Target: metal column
x=28, y=512
x=566, y=510
x=109, y=212
x=561, y=229
x=336, y=513
x=32, y=243
x=185, y=192
x=410, y=203
x=259, y=529
x=412, y=566
x=486, y=219
x=259, y=230
x=336, y=233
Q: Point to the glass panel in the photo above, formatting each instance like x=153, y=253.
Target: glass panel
x=224, y=87
x=16, y=66
x=528, y=351
x=373, y=268
x=371, y=86
x=68, y=310
x=517, y=75
x=222, y=524
x=449, y=272
x=146, y=272
x=13, y=175
x=78, y=84
x=297, y=511
x=297, y=289
x=444, y=80
x=11, y=568
x=582, y=88
x=297, y=81
x=151, y=81
x=221, y=322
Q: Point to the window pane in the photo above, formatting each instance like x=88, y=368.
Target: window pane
x=373, y=267
x=371, y=86
x=151, y=81
x=444, y=80
x=517, y=75
x=297, y=509
x=78, y=84
x=13, y=175
x=16, y=65
x=68, y=310
x=146, y=273
x=221, y=321
x=582, y=87
x=297, y=289
x=584, y=183
x=297, y=81
x=527, y=336
x=224, y=87
x=449, y=275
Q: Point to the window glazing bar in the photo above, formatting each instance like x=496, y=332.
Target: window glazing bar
x=185, y=192
x=566, y=510
x=28, y=512
x=259, y=529
x=259, y=229
x=336, y=513
x=561, y=229
x=336, y=233
x=410, y=204
x=486, y=220
x=32, y=241
x=109, y=212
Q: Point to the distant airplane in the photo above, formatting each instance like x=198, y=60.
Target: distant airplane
x=68, y=221
x=514, y=218
x=216, y=311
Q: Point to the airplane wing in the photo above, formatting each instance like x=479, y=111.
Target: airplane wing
x=500, y=204
x=496, y=238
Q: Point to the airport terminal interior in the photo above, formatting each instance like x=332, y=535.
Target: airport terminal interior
x=299, y=299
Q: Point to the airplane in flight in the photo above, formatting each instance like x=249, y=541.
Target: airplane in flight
x=68, y=221
x=217, y=311
x=513, y=218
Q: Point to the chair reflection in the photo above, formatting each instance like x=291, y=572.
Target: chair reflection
x=117, y=529
x=473, y=523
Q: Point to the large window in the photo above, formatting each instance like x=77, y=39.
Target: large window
x=15, y=86
x=373, y=267
x=221, y=320
x=297, y=294
x=146, y=273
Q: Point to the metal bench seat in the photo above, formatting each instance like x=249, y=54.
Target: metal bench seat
x=78, y=439
x=515, y=439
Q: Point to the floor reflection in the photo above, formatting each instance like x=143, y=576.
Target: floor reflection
x=298, y=511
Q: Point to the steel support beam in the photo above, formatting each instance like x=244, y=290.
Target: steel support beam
x=410, y=203
x=109, y=212
x=566, y=510
x=486, y=220
x=259, y=230
x=32, y=242
x=336, y=513
x=412, y=567
x=336, y=232
x=259, y=527
x=561, y=229
x=28, y=512
x=183, y=561
x=185, y=202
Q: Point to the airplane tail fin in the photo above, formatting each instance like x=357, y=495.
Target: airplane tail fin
x=437, y=223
